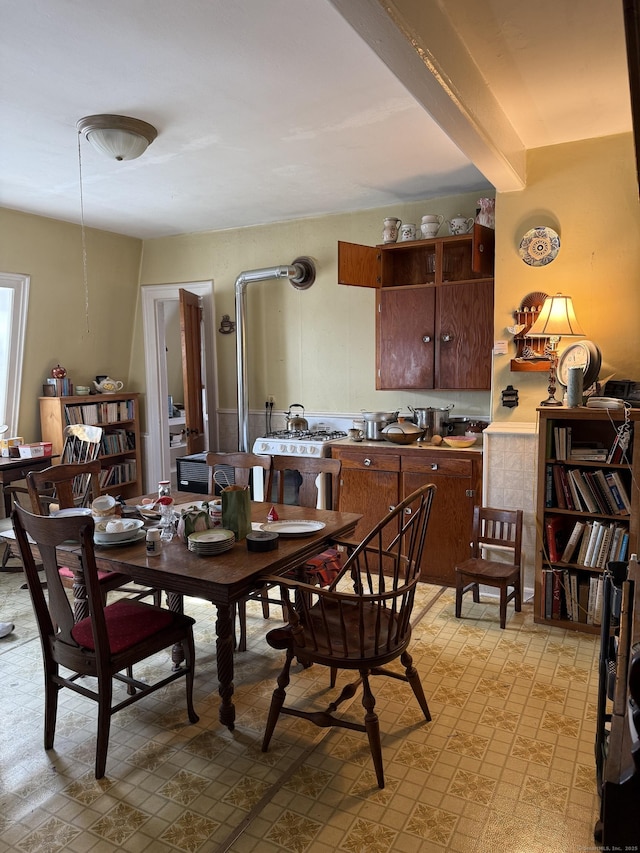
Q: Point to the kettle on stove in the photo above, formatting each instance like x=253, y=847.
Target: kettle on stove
x=295, y=423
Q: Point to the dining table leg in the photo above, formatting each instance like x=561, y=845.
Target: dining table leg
x=224, y=660
x=175, y=603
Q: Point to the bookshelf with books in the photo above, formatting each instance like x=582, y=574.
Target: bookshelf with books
x=120, y=452
x=588, y=505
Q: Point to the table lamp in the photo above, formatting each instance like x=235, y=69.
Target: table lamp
x=556, y=320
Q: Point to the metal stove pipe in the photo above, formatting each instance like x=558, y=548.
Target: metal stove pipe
x=301, y=273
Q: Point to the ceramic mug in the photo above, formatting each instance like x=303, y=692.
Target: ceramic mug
x=356, y=434
x=407, y=232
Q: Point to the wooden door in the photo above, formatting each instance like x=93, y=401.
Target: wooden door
x=369, y=484
x=405, y=331
x=450, y=525
x=191, y=339
x=464, y=335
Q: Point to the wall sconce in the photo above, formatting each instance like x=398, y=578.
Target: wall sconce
x=119, y=137
x=556, y=320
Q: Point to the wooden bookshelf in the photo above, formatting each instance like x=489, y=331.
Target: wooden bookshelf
x=119, y=416
x=579, y=445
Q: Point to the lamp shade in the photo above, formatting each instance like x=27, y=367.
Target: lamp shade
x=557, y=319
x=118, y=137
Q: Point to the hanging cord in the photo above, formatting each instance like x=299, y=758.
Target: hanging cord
x=84, y=242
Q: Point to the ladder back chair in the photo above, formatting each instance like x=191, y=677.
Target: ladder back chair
x=500, y=529
x=360, y=622
x=111, y=640
x=63, y=486
x=243, y=465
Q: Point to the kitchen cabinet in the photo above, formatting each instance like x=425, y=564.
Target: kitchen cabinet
x=434, y=319
x=120, y=449
x=376, y=475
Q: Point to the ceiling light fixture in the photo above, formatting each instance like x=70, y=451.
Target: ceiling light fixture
x=119, y=137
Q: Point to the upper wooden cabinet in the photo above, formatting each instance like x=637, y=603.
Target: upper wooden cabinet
x=443, y=259
x=434, y=321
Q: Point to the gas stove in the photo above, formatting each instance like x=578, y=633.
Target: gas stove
x=308, y=442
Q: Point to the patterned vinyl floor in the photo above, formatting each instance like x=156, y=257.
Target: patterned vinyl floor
x=507, y=763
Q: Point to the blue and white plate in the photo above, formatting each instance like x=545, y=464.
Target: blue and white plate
x=539, y=246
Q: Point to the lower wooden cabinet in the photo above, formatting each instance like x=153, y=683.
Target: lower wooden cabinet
x=375, y=476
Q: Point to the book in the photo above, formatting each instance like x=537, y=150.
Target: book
x=602, y=557
x=566, y=582
x=548, y=593
x=583, y=599
x=583, y=489
x=572, y=541
x=620, y=494
x=556, y=608
x=556, y=536
x=584, y=543
x=557, y=472
x=597, y=604
x=596, y=532
x=573, y=584
x=603, y=486
x=548, y=486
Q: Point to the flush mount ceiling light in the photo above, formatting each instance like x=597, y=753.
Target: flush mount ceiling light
x=119, y=137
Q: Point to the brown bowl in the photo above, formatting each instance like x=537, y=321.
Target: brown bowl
x=397, y=435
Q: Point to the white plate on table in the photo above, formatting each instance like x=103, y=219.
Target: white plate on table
x=298, y=527
x=72, y=510
x=140, y=534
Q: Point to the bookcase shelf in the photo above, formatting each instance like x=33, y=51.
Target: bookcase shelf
x=587, y=510
x=118, y=415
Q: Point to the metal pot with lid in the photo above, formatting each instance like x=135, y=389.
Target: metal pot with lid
x=375, y=422
x=434, y=421
x=296, y=423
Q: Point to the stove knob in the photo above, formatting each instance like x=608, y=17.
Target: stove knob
x=283, y=448
x=302, y=449
x=264, y=447
x=314, y=450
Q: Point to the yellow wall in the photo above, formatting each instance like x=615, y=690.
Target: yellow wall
x=315, y=347
x=588, y=193
x=58, y=330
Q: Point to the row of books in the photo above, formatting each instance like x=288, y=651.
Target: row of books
x=100, y=413
x=114, y=475
x=118, y=441
x=589, y=543
x=57, y=387
x=566, y=449
x=573, y=595
x=594, y=490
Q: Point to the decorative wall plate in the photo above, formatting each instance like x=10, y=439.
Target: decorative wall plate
x=539, y=246
x=584, y=354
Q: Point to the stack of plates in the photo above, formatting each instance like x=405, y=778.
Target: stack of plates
x=206, y=543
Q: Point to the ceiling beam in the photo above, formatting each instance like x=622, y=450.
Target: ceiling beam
x=417, y=42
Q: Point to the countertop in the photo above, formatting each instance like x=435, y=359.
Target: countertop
x=414, y=447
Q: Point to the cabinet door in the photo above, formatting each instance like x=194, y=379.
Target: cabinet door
x=450, y=525
x=369, y=485
x=405, y=329
x=464, y=336
x=358, y=265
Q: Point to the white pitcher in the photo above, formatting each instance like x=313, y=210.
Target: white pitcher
x=390, y=230
x=430, y=224
x=459, y=225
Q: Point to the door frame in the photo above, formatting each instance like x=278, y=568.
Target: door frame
x=158, y=459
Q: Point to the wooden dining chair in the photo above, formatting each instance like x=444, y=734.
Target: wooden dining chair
x=112, y=639
x=361, y=622
x=500, y=529
x=77, y=484
x=244, y=467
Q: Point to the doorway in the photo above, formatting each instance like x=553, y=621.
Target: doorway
x=159, y=303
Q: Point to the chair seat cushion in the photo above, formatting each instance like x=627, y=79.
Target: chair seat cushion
x=128, y=623
x=488, y=570
x=103, y=576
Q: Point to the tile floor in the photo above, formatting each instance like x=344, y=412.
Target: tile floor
x=506, y=763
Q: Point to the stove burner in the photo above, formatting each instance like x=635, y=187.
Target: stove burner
x=307, y=434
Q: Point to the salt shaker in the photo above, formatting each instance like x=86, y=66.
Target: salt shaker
x=154, y=543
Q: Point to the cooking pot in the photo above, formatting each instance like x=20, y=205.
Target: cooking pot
x=294, y=423
x=434, y=421
x=375, y=422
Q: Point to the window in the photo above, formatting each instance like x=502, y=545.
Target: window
x=14, y=298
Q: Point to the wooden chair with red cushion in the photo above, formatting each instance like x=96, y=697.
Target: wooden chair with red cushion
x=362, y=621
x=110, y=640
x=500, y=529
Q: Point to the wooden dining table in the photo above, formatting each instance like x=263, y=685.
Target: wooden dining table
x=223, y=579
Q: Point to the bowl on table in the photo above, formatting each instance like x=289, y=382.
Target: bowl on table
x=116, y=530
x=459, y=441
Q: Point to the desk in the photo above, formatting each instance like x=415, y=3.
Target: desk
x=223, y=579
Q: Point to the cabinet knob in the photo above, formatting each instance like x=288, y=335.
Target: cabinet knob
x=447, y=338
x=434, y=466
x=367, y=462
x=426, y=339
